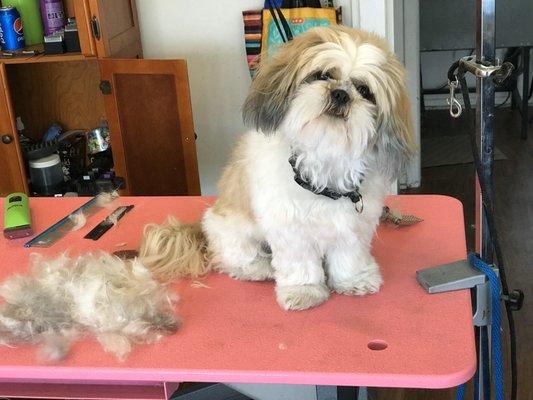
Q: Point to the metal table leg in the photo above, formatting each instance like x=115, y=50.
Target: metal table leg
x=336, y=393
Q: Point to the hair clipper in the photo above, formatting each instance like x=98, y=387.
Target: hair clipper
x=17, y=219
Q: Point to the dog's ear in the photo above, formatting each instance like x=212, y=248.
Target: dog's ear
x=278, y=78
x=396, y=142
x=271, y=91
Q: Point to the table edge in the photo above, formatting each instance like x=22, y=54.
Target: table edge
x=132, y=375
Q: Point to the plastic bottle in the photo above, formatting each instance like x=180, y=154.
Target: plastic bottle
x=31, y=19
x=20, y=126
x=53, y=16
x=20, y=130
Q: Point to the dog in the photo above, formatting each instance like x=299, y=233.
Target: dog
x=329, y=131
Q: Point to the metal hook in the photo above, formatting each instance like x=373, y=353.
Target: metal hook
x=455, y=107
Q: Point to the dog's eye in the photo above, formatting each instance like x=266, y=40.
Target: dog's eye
x=365, y=93
x=322, y=76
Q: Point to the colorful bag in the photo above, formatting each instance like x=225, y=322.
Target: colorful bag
x=299, y=21
x=263, y=34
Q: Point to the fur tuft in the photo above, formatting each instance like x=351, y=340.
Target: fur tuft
x=105, y=199
x=78, y=219
x=174, y=250
x=62, y=299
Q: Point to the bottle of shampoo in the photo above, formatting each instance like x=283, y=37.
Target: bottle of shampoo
x=53, y=16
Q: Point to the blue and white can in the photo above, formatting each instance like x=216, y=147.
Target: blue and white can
x=11, y=33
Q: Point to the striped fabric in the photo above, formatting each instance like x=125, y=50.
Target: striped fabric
x=253, y=27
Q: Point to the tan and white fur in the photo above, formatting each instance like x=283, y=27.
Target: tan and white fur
x=64, y=299
x=335, y=99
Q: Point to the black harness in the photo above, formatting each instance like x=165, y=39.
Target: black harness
x=354, y=195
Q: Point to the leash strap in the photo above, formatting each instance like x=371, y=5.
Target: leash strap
x=488, y=208
x=460, y=394
x=496, y=340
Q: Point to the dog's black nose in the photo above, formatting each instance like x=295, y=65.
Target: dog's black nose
x=340, y=97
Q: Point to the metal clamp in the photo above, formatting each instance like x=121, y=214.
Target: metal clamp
x=498, y=73
x=460, y=275
x=480, y=70
x=455, y=107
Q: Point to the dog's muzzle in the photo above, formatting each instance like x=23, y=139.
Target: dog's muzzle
x=339, y=104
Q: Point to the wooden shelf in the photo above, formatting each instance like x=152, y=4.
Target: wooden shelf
x=40, y=58
x=64, y=88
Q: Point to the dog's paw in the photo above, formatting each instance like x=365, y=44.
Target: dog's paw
x=259, y=270
x=301, y=297
x=366, y=282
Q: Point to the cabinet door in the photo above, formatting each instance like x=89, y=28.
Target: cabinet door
x=148, y=108
x=12, y=175
x=82, y=11
x=115, y=28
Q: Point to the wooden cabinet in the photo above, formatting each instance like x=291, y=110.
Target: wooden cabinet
x=146, y=102
x=149, y=110
x=108, y=28
x=12, y=176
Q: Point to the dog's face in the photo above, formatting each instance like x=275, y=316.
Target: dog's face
x=337, y=90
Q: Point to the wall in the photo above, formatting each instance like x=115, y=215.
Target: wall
x=209, y=35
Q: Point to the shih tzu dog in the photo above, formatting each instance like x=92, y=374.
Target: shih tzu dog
x=330, y=129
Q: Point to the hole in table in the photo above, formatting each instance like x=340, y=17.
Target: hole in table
x=377, y=345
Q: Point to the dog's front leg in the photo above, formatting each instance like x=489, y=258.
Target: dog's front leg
x=300, y=279
x=351, y=268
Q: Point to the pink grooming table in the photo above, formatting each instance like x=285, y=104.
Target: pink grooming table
x=236, y=332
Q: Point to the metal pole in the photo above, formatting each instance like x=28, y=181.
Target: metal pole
x=485, y=52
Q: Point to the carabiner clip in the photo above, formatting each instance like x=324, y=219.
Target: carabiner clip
x=455, y=107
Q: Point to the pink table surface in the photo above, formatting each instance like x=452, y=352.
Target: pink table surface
x=236, y=332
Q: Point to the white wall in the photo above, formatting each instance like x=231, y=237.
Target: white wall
x=209, y=35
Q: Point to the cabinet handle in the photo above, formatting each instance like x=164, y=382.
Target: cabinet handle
x=7, y=139
x=105, y=87
x=95, y=27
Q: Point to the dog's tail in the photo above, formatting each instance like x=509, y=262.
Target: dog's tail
x=174, y=250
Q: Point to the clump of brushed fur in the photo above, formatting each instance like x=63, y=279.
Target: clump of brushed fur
x=65, y=298
x=78, y=219
x=174, y=250
x=105, y=199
